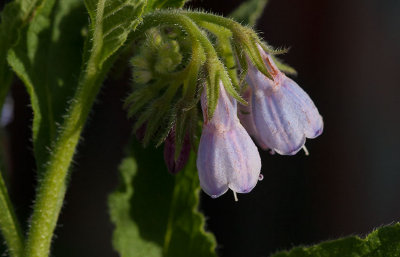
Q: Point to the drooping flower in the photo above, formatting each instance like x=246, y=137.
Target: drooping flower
x=227, y=157
x=175, y=165
x=280, y=115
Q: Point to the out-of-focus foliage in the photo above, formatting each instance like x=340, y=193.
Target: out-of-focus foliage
x=14, y=16
x=159, y=4
x=155, y=213
x=249, y=12
x=46, y=60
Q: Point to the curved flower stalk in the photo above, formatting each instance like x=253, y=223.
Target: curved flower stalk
x=280, y=115
x=227, y=157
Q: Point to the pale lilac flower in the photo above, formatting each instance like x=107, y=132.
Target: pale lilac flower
x=175, y=165
x=280, y=115
x=227, y=157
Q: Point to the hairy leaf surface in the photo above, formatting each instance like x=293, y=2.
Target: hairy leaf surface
x=383, y=242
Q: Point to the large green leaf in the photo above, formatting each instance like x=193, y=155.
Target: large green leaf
x=111, y=23
x=383, y=242
x=249, y=12
x=155, y=213
x=47, y=59
x=13, y=18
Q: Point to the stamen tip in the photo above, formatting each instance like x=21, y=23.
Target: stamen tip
x=235, y=196
x=305, y=150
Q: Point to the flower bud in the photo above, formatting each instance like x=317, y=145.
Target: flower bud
x=283, y=115
x=176, y=165
x=227, y=157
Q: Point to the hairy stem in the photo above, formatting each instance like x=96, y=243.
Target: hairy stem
x=52, y=187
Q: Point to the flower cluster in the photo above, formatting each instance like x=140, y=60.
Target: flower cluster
x=191, y=57
x=279, y=116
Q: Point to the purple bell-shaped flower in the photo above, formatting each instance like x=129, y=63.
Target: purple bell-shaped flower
x=227, y=157
x=280, y=115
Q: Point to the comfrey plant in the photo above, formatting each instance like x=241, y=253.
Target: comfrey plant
x=204, y=85
x=187, y=57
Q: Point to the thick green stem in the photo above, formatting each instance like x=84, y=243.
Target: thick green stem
x=52, y=187
x=9, y=225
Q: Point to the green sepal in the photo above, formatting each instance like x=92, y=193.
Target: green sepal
x=224, y=49
x=212, y=90
x=283, y=66
x=186, y=123
x=241, y=57
x=249, y=41
x=232, y=90
x=155, y=113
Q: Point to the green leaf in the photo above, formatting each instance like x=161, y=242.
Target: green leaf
x=13, y=17
x=47, y=59
x=383, y=242
x=249, y=12
x=155, y=213
x=111, y=23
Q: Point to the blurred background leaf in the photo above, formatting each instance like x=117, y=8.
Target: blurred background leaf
x=160, y=4
x=47, y=59
x=156, y=213
x=13, y=17
x=249, y=12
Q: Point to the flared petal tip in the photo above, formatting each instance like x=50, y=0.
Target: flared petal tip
x=318, y=130
x=291, y=150
x=243, y=190
x=214, y=192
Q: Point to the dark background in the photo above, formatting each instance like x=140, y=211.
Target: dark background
x=347, y=54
